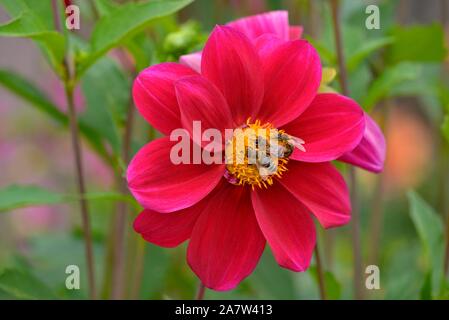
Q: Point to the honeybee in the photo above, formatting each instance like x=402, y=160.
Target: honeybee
x=267, y=161
x=267, y=166
x=252, y=155
x=277, y=150
x=289, y=144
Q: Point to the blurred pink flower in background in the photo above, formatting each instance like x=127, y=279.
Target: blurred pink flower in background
x=17, y=168
x=31, y=220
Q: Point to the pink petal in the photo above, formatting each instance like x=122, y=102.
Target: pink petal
x=292, y=78
x=330, y=127
x=295, y=32
x=192, y=60
x=154, y=95
x=226, y=242
x=287, y=226
x=370, y=153
x=200, y=100
x=275, y=22
x=232, y=64
x=265, y=44
x=322, y=189
x=162, y=186
x=275, y=30
x=167, y=229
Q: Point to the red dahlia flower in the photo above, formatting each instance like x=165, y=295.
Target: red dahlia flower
x=250, y=69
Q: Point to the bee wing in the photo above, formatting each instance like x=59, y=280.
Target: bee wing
x=297, y=143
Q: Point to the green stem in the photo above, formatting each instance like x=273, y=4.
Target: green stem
x=320, y=274
x=138, y=268
x=445, y=157
x=201, y=291
x=377, y=203
x=121, y=221
x=77, y=153
x=445, y=204
x=107, y=263
x=121, y=217
x=443, y=13
x=81, y=191
x=356, y=239
x=355, y=224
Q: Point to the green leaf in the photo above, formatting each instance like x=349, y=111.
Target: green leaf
x=49, y=255
x=19, y=196
x=426, y=289
x=443, y=95
x=22, y=285
x=43, y=10
x=107, y=93
x=157, y=277
x=138, y=45
x=270, y=281
x=445, y=128
x=401, y=276
x=430, y=230
x=104, y=7
x=423, y=43
x=27, y=91
x=123, y=23
x=106, y=196
x=141, y=52
x=366, y=49
x=16, y=196
x=327, y=55
x=425, y=85
x=332, y=286
x=360, y=81
x=27, y=25
x=384, y=85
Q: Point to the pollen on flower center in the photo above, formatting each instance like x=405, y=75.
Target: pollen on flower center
x=257, y=153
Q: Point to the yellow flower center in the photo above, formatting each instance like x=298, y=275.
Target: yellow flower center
x=257, y=153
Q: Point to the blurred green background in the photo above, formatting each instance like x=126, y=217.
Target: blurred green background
x=398, y=73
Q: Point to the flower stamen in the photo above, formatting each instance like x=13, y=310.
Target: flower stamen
x=258, y=153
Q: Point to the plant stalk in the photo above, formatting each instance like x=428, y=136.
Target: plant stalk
x=320, y=274
x=445, y=204
x=376, y=219
x=122, y=213
x=201, y=291
x=77, y=153
x=443, y=13
x=444, y=156
x=355, y=224
x=446, y=252
x=138, y=268
x=74, y=132
x=377, y=204
x=356, y=239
